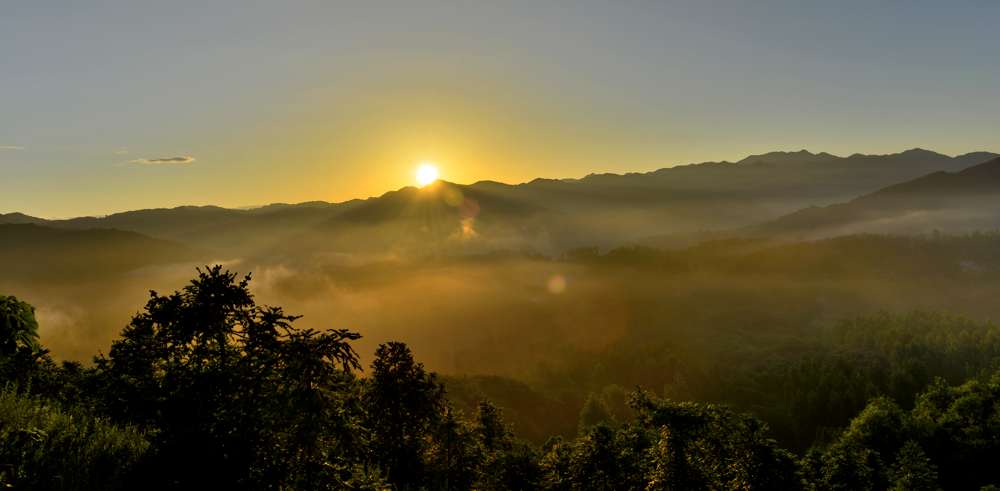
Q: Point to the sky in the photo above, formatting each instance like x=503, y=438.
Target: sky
x=112, y=106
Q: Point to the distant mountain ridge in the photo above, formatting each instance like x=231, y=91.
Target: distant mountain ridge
x=548, y=215
x=30, y=250
x=960, y=201
x=19, y=218
x=800, y=157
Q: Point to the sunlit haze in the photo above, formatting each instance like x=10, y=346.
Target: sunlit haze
x=470, y=245
x=119, y=105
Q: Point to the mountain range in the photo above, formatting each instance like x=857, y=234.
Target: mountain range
x=799, y=194
x=954, y=202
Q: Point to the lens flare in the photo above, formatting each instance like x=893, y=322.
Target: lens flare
x=556, y=284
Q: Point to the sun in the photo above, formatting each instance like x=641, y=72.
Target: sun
x=427, y=172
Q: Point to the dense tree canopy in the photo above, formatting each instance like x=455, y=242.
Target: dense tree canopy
x=237, y=394
x=207, y=389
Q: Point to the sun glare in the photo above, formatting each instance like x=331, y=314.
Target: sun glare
x=427, y=173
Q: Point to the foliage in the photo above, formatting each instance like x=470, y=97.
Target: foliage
x=403, y=404
x=947, y=440
x=673, y=446
x=236, y=393
x=20, y=350
x=18, y=327
x=45, y=447
x=207, y=389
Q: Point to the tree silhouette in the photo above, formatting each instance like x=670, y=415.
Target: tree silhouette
x=20, y=351
x=236, y=393
x=403, y=403
x=18, y=327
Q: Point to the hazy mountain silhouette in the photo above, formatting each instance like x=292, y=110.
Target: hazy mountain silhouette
x=35, y=251
x=800, y=157
x=957, y=202
x=226, y=231
x=19, y=218
x=545, y=215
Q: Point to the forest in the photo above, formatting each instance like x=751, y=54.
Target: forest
x=575, y=245
x=206, y=388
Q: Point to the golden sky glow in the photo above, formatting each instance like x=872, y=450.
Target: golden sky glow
x=135, y=105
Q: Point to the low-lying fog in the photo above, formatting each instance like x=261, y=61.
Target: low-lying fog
x=520, y=315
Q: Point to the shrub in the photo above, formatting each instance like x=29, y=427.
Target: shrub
x=45, y=447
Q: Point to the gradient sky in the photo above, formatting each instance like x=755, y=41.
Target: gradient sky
x=295, y=101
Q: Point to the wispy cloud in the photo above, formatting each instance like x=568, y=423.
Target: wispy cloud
x=121, y=151
x=164, y=161
x=11, y=147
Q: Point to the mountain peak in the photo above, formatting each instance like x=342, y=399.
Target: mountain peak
x=976, y=157
x=19, y=218
x=921, y=152
x=799, y=157
x=916, y=153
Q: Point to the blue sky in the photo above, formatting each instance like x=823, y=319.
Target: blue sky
x=109, y=106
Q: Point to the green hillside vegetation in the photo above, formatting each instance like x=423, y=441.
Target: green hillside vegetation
x=207, y=389
x=803, y=342
x=45, y=445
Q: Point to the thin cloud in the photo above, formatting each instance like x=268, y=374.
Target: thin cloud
x=121, y=151
x=11, y=147
x=164, y=161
